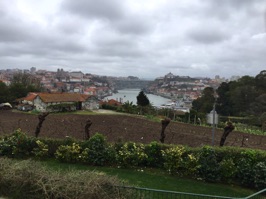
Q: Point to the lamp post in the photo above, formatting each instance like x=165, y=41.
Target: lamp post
x=213, y=123
x=214, y=119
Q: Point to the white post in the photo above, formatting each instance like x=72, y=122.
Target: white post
x=213, y=123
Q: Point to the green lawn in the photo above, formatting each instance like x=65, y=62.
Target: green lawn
x=157, y=179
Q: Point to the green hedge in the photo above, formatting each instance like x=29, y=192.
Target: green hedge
x=214, y=164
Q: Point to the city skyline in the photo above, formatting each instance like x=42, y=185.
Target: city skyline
x=135, y=38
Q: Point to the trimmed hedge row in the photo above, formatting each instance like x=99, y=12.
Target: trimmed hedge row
x=226, y=164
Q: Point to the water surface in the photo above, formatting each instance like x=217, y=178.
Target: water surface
x=131, y=96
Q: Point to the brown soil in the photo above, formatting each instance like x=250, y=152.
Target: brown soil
x=125, y=128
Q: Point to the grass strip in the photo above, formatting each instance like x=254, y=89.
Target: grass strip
x=157, y=179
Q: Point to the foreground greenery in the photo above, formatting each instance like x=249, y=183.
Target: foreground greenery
x=155, y=179
x=51, y=179
x=231, y=165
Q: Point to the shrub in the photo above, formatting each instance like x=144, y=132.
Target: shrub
x=173, y=160
x=17, y=145
x=41, y=151
x=154, y=154
x=53, y=144
x=245, y=167
x=131, y=154
x=191, y=164
x=63, y=107
x=68, y=153
x=228, y=169
x=260, y=175
x=96, y=151
x=209, y=168
x=109, y=107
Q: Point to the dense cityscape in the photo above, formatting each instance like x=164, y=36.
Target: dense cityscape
x=170, y=85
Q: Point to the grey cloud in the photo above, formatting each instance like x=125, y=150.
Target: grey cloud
x=113, y=13
x=230, y=8
x=133, y=25
x=2, y=13
x=207, y=35
x=43, y=45
x=113, y=43
x=13, y=31
x=118, y=47
x=70, y=25
x=121, y=52
x=195, y=38
x=234, y=4
x=105, y=9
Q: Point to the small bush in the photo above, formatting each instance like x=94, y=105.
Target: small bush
x=131, y=154
x=17, y=144
x=260, y=175
x=96, y=151
x=228, y=169
x=53, y=144
x=173, y=160
x=191, y=165
x=209, y=168
x=245, y=167
x=41, y=151
x=68, y=153
x=154, y=154
x=109, y=107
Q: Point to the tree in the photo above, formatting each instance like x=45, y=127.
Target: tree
x=41, y=118
x=258, y=107
x=22, y=84
x=143, y=102
x=17, y=90
x=204, y=104
x=26, y=80
x=262, y=119
x=260, y=81
x=241, y=98
x=142, y=99
x=227, y=130
x=223, y=105
x=164, y=123
x=4, y=93
x=87, y=129
x=129, y=107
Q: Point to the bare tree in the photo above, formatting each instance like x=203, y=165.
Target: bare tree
x=164, y=123
x=41, y=118
x=228, y=129
x=87, y=129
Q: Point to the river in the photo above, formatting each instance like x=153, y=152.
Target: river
x=131, y=96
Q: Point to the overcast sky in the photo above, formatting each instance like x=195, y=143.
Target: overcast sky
x=144, y=38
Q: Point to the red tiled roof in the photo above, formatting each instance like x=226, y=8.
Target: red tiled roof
x=90, y=89
x=63, y=97
x=30, y=97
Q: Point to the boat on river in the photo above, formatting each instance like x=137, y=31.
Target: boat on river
x=174, y=106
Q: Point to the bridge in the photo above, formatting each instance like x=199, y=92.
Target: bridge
x=129, y=84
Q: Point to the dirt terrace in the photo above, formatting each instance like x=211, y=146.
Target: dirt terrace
x=125, y=128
